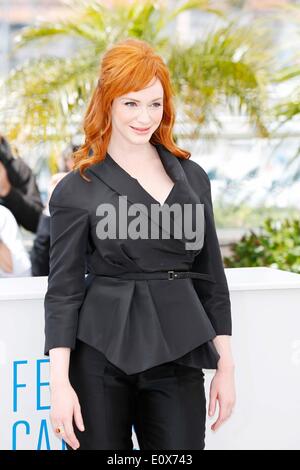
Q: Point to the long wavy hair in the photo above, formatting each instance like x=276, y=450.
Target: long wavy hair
x=129, y=65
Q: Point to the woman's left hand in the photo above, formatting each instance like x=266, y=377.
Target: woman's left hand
x=222, y=388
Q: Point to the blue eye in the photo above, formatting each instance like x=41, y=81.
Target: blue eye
x=133, y=102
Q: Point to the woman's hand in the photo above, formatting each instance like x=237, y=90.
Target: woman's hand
x=222, y=388
x=65, y=404
x=6, y=262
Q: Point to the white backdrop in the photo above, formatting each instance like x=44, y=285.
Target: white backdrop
x=265, y=343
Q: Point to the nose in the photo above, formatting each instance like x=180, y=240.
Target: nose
x=143, y=117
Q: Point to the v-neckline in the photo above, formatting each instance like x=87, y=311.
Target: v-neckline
x=139, y=184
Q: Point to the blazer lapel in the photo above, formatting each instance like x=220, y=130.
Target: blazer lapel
x=114, y=176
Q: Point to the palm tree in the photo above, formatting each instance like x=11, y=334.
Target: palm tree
x=286, y=108
x=229, y=66
x=291, y=14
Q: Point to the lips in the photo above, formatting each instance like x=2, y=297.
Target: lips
x=140, y=128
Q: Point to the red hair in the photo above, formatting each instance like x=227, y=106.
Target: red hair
x=128, y=65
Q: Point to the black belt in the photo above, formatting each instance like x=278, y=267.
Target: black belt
x=169, y=275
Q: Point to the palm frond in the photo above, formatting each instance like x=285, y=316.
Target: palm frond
x=224, y=68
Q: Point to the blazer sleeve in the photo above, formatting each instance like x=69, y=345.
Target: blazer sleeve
x=214, y=296
x=69, y=229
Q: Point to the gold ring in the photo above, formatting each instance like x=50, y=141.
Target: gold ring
x=58, y=430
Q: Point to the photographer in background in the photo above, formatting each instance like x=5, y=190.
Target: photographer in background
x=18, y=189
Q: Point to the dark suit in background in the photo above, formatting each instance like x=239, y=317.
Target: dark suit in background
x=24, y=199
x=39, y=254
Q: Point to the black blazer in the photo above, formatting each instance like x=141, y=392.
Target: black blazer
x=137, y=324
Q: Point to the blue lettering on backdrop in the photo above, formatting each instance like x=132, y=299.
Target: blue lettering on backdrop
x=43, y=430
x=21, y=428
x=16, y=385
x=40, y=384
x=42, y=437
x=14, y=432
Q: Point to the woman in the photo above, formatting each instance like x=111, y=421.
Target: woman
x=128, y=343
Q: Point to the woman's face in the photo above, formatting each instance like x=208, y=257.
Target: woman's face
x=141, y=109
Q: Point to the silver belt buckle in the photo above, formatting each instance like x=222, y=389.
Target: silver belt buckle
x=170, y=275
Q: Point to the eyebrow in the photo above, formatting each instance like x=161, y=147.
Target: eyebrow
x=132, y=99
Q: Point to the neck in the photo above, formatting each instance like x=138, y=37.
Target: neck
x=130, y=152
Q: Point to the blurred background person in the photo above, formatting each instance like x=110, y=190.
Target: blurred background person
x=66, y=159
x=18, y=188
x=39, y=253
x=14, y=259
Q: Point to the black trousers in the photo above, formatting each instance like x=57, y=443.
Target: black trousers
x=166, y=404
